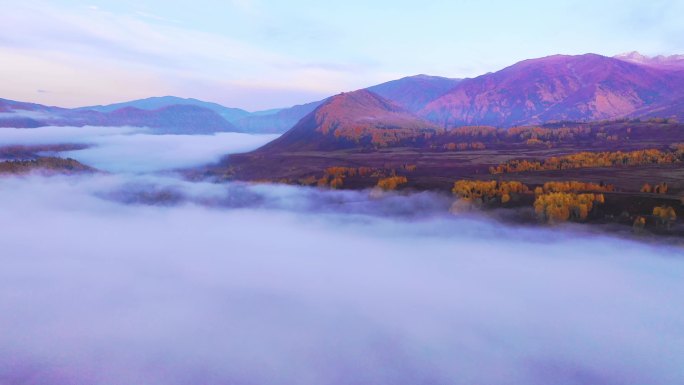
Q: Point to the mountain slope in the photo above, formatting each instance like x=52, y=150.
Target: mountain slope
x=560, y=87
x=353, y=119
x=414, y=92
x=158, y=102
x=275, y=122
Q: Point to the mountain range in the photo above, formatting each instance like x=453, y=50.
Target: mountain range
x=536, y=91
x=170, y=119
x=157, y=102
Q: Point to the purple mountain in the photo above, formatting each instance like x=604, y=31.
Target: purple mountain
x=560, y=87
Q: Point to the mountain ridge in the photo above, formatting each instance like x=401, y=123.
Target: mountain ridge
x=173, y=119
x=351, y=119
x=533, y=91
x=553, y=88
x=231, y=114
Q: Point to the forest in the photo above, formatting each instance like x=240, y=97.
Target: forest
x=44, y=165
x=592, y=159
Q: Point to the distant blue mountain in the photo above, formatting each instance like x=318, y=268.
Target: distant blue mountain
x=275, y=121
x=171, y=119
x=171, y=114
x=157, y=102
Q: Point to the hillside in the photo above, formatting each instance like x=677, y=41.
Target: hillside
x=414, y=92
x=555, y=88
x=352, y=119
x=278, y=121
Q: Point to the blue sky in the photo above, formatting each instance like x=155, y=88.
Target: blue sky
x=258, y=54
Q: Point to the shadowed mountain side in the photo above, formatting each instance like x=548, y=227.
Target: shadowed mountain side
x=414, y=92
x=276, y=122
x=359, y=119
x=555, y=88
x=674, y=110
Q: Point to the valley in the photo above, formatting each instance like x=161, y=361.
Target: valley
x=588, y=118
x=262, y=192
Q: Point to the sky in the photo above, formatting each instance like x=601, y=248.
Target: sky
x=260, y=54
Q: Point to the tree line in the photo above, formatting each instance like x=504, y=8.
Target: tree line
x=589, y=160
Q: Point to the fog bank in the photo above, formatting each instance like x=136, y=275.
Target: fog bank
x=102, y=282
x=140, y=277
x=133, y=150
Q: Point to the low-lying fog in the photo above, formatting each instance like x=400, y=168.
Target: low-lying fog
x=135, y=278
x=135, y=150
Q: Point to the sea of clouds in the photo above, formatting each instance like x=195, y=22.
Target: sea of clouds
x=133, y=149
x=135, y=277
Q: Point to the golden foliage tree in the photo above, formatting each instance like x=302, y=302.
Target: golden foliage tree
x=588, y=160
x=575, y=186
x=665, y=215
x=478, y=191
x=558, y=207
x=660, y=188
x=392, y=182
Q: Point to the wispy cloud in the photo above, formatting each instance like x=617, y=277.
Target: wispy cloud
x=94, y=43
x=253, y=54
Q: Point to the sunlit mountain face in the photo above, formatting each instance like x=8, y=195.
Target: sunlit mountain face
x=255, y=192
